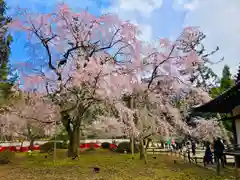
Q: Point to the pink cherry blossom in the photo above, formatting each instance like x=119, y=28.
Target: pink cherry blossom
x=89, y=59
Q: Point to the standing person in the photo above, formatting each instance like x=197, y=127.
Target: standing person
x=208, y=154
x=169, y=143
x=214, y=150
x=188, y=151
x=218, y=150
x=193, y=148
x=173, y=144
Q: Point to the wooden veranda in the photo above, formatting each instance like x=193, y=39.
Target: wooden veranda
x=227, y=102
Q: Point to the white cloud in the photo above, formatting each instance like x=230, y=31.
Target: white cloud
x=135, y=10
x=219, y=20
x=146, y=32
x=183, y=5
x=145, y=7
x=191, y=6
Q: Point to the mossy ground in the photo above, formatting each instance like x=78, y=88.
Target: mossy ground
x=112, y=166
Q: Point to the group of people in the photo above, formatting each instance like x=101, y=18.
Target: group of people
x=215, y=150
x=218, y=148
x=189, y=145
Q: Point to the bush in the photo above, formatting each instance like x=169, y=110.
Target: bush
x=126, y=146
x=6, y=157
x=113, y=147
x=49, y=146
x=105, y=145
x=92, y=148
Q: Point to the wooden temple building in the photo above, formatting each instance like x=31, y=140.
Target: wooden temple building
x=228, y=102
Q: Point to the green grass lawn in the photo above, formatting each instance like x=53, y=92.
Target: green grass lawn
x=112, y=166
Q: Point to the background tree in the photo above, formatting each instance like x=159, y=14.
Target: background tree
x=5, y=40
x=203, y=76
x=237, y=76
x=153, y=108
x=91, y=60
x=31, y=116
x=92, y=55
x=226, y=82
x=6, y=83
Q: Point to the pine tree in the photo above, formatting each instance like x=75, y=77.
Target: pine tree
x=226, y=82
x=237, y=77
x=5, y=41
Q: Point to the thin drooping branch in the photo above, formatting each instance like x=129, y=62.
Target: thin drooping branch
x=154, y=73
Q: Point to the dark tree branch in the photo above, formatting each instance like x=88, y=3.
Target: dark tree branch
x=157, y=66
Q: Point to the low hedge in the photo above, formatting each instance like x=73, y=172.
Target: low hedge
x=126, y=146
x=49, y=146
x=105, y=145
x=6, y=156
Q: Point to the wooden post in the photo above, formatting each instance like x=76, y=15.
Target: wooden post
x=189, y=157
x=195, y=160
x=55, y=143
x=132, y=138
x=236, y=170
x=217, y=166
x=236, y=133
x=204, y=162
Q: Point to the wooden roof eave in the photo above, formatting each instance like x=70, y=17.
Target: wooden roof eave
x=223, y=103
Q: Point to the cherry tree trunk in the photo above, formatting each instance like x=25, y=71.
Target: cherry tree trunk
x=21, y=148
x=73, y=134
x=74, y=138
x=31, y=144
x=142, y=151
x=31, y=137
x=132, y=143
x=147, y=144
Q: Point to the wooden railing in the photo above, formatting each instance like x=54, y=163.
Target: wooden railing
x=196, y=159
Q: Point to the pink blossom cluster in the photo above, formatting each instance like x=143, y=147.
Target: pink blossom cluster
x=103, y=56
x=30, y=112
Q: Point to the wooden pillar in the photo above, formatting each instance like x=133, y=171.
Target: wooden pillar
x=236, y=133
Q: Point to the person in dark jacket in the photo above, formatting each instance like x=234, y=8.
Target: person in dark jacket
x=218, y=150
x=208, y=154
x=214, y=142
x=193, y=148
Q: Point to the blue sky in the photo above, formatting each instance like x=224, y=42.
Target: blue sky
x=159, y=18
